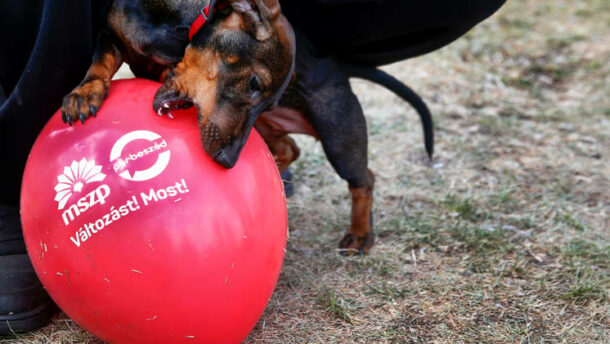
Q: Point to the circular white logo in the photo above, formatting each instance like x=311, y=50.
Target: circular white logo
x=121, y=163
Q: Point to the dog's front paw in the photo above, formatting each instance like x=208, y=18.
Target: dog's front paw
x=84, y=101
x=353, y=244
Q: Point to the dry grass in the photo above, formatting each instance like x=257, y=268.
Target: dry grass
x=503, y=238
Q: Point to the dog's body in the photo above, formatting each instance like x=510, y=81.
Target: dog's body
x=151, y=37
x=332, y=113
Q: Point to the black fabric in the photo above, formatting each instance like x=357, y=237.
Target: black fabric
x=17, y=38
x=11, y=238
x=45, y=49
x=2, y=94
x=378, y=32
x=20, y=289
x=24, y=303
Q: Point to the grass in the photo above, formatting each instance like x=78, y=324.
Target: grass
x=463, y=208
x=337, y=305
x=503, y=238
x=580, y=251
x=572, y=222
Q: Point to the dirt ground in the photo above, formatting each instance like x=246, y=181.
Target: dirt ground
x=502, y=238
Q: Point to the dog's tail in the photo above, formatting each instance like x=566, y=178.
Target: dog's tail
x=403, y=91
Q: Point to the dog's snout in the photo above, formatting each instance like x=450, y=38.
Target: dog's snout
x=228, y=155
x=162, y=96
x=210, y=135
x=225, y=160
x=220, y=147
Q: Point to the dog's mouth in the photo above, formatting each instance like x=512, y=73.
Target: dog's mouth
x=165, y=106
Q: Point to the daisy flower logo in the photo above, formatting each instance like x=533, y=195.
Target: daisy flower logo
x=74, y=178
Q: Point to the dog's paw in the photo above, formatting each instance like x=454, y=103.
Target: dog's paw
x=353, y=244
x=84, y=101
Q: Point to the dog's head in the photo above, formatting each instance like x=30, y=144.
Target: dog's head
x=235, y=67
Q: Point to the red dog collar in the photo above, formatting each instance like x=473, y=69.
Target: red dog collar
x=203, y=17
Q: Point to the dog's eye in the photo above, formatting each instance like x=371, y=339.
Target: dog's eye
x=254, y=86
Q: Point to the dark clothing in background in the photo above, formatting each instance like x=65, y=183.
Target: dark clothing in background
x=378, y=32
x=46, y=47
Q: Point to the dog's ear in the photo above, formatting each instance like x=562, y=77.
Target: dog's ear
x=258, y=16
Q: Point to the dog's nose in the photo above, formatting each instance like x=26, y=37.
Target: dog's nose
x=225, y=160
x=227, y=156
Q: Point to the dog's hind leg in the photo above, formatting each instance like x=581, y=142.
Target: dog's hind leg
x=336, y=115
x=360, y=238
x=342, y=131
x=86, y=99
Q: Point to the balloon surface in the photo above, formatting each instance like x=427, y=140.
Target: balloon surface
x=140, y=237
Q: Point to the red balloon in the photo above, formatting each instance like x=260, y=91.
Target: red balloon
x=140, y=237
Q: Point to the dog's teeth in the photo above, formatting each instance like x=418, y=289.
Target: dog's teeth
x=166, y=105
x=169, y=114
x=159, y=112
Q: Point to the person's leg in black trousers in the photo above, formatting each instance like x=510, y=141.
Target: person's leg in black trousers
x=45, y=49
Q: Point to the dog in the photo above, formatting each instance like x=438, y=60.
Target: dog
x=321, y=103
x=242, y=70
x=231, y=69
